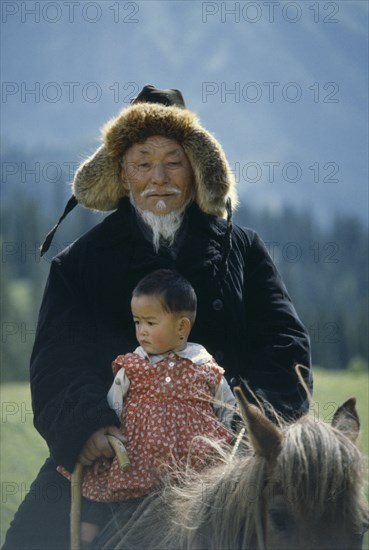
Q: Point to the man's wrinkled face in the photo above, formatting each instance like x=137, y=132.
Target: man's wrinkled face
x=158, y=175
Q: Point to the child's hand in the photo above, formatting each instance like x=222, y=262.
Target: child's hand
x=101, y=465
x=98, y=446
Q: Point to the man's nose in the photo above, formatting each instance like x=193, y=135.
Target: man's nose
x=159, y=174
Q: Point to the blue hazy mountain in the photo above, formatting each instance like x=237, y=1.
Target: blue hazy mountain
x=282, y=85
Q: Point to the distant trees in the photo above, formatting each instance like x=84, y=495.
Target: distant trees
x=325, y=271
x=25, y=223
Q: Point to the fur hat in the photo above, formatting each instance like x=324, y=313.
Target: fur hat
x=97, y=183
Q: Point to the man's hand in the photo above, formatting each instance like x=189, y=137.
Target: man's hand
x=98, y=446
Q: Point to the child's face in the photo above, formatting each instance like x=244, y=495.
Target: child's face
x=157, y=330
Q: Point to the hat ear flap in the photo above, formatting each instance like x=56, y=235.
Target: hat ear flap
x=213, y=178
x=97, y=183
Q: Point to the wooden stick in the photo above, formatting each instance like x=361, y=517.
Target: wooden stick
x=76, y=490
x=120, y=452
x=75, y=508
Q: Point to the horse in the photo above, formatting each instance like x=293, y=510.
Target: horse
x=283, y=486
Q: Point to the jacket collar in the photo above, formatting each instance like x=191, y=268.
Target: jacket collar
x=201, y=247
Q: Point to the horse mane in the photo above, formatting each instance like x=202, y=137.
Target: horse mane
x=202, y=505
x=319, y=470
x=322, y=472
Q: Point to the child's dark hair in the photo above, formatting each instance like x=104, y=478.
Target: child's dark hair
x=174, y=291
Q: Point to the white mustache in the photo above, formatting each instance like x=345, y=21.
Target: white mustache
x=164, y=191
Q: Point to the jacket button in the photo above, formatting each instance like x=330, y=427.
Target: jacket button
x=217, y=304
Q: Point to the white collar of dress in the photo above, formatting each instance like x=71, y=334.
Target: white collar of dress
x=194, y=352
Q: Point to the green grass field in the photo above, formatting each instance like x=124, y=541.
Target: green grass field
x=23, y=450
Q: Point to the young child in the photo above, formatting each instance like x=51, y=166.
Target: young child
x=166, y=393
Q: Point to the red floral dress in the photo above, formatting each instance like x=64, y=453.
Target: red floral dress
x=167, y=406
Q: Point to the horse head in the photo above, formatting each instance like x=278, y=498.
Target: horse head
x=312, y=497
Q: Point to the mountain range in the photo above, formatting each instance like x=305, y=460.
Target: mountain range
x=282, y=85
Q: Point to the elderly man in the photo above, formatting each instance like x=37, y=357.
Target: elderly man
x=170, y=185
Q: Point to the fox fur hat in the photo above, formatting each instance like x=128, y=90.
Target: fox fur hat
x=97, y=183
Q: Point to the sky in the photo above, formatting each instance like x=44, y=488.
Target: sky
x=282, y=85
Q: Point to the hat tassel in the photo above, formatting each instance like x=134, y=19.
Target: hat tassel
x=72, y=202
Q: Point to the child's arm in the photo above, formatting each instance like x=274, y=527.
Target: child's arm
x=223, y=394
x=118, y=391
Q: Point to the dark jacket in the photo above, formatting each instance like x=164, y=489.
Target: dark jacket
x=245, y=319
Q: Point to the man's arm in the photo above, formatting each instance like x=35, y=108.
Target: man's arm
x=277, y=340
x=68, y=382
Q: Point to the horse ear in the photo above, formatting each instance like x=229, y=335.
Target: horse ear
x=265, y=436
x=347, y=420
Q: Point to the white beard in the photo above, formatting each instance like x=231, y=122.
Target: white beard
x=163, y=227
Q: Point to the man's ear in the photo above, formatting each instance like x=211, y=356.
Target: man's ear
x=123, y=177
x=184, y=326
